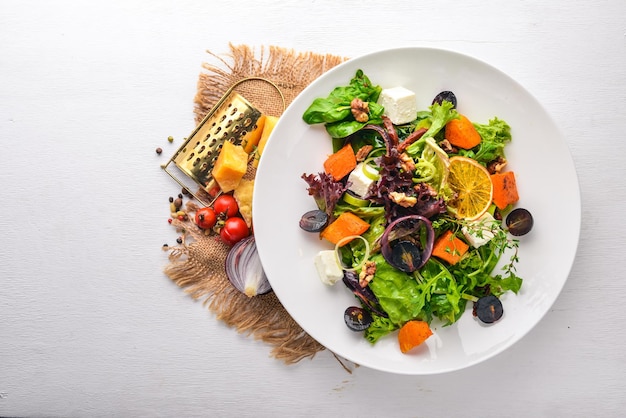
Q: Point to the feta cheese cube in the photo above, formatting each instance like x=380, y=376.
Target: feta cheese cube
x=480, y=231
x=327, y=267
x=400, y=104
x=360, y=183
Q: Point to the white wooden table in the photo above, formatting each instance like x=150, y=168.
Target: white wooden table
x=90, y=326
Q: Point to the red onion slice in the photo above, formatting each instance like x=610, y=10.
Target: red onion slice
x=244, y=269
x=391, y=234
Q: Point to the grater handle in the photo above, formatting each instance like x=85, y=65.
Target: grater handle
x=243, y=80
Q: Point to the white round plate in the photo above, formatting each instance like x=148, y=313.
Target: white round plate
x=547, y=184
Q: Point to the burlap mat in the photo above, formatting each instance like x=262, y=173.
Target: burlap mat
x=197, y=265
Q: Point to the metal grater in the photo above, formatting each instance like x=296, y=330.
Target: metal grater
x=233, y=118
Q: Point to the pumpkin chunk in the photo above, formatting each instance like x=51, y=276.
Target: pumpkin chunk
x=504, y=189
x=341, y=163
x=461, y=133
x=346, y=225
x=449, y=248
x=412, y=334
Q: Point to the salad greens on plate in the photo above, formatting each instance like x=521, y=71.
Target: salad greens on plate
x=421, y=212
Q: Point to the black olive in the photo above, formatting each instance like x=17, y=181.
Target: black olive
x=488, y=309
x=519, y=222
x=357, y=319
x=405, y=256
x=447, y=96
x=314, y=221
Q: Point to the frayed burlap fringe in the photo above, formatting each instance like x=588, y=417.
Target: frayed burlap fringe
x=291, y=71
x=197, y=265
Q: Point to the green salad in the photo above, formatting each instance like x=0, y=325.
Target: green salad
x=420, y=205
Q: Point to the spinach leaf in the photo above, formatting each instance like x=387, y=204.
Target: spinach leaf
x=343, y=129
x=326, y=110
x=334, y=110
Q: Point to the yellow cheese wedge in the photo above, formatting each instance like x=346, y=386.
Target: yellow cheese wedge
x=243, y=196
x=230, y=166
x=270, y=122
x=252, y=139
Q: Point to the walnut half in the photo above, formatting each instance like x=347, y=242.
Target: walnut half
x=363, y=152
x=407, y=163
x=367, y=273
x=360, y=110
x=497, y=165
x=402, y=199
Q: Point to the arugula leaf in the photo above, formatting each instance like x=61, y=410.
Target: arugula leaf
x=376, y=230
x=326, y=110
x=365, y=212
x=476, y=269
x=439, y=290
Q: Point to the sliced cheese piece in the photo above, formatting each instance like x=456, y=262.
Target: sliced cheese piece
x=359, y=181
x=230, y=166
x=480, y=231
x=243, y=196
x=270, y=122
x=251, y=141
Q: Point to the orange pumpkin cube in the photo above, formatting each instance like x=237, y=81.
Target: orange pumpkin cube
x=346, y=225
x=449, y=248
x=341, y=163
x=504, y=189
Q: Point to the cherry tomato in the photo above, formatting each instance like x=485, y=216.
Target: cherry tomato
x=213, y=191
x=206, y=218
x=227, y=204
x=234, y=230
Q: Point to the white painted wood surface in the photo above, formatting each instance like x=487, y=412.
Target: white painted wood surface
x=89, y=325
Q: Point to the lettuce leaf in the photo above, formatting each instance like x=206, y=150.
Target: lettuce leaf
x=434, y=120
x=495, y=135
x=380, y=327
x=398, y=293
x=432, y=292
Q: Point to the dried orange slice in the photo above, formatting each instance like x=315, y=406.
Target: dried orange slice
x=472, y=187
